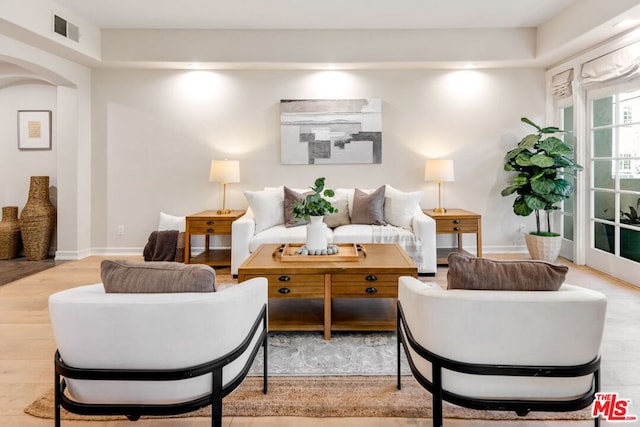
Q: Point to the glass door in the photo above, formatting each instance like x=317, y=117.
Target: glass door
x=567, y=208
x=614, y=174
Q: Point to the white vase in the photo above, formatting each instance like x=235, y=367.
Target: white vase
x=545, y=248
x=316, y=234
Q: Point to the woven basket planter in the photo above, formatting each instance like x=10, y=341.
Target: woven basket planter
x=37, y=220
x=10, y=242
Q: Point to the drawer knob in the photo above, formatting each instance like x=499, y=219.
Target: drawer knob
x=210, y=230
x=284, y=279
x=210, y=222
x=284, y=290
x=371, y=278
x=371, y=290
x=456, y=221
x=456, y=228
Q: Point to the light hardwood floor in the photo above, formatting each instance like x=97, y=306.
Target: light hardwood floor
x=27, y=347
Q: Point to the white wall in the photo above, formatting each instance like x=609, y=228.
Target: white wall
x=155, y=133
x=16, y=167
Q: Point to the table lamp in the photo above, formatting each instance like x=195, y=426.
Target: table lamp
x=225, y=172
x=439, y=171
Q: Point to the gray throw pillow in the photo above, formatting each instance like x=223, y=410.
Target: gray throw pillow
x=156, y=277
x=368, y=208
x=469, y=272
x=290, y=199
x=341, y=217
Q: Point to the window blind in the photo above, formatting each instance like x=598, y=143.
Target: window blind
x=561, y=84
x=618, y=66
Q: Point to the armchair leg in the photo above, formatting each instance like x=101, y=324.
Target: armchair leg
x=437, y=396
x=216, y=399
x=398, y=346
x=57, y=399
x=265, y=347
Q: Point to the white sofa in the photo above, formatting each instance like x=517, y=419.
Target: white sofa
x=498, y=350
x=406, y=224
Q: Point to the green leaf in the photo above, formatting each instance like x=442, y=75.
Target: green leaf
x=520, y=207
x=524, y=159
x=535, y=202
x=529, y=122
x=509, y=190
x=512, y=154
x=528, y=141
x=563, y=187
x=555, y=147
x=329, y=193
x=552, y=129
x=543, y=186
x=542, y=160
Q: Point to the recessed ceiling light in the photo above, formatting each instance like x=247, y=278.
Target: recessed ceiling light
x=469, y=66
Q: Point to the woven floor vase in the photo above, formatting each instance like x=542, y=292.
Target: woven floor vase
x=9, y=233
x=37, y=220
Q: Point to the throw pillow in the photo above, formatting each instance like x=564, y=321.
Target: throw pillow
x=156, y=277
x=171, y=222
x=469, y=272
x=267, y=207
x=341, y=203
x=400, y=207
x=290, y=199
x=368, y=208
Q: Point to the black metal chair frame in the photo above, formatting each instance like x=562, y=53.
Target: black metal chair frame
x=133, y=412
x=519, y=406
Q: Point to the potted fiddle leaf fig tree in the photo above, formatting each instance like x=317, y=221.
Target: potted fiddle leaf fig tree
x=541, y=161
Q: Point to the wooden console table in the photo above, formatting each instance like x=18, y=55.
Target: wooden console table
x=457, y=221
x=209, y=223
x=331, y=295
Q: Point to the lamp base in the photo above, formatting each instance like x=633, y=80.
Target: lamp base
x=223, y=212
x=439, y=210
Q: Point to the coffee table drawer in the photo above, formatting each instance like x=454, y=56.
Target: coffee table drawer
x=364, y=285
x=294, y=285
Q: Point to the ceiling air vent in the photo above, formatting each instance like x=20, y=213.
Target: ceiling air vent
x=66, y=29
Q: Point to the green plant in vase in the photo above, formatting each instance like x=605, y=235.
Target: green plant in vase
x=315, y=203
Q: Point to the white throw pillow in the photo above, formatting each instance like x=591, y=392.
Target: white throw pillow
x=267, y=207
x=400, y=206
x=171, y=222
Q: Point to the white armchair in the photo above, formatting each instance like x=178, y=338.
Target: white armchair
x=502, y=350
x=139, y=354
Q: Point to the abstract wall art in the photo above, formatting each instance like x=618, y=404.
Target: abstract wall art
x=331, y=131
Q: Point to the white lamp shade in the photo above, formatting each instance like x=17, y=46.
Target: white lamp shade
x=438, y=170
x=225, y=171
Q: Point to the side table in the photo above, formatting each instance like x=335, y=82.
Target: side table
x=209, y=223
x=457, y=221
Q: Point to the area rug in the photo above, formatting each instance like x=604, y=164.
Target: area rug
x=346, y=353
x=342, y=396
x=19, y=268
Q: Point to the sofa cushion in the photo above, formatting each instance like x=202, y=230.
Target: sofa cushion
x=267, y=207
x=171, y=222
x=156, y=277
x=400, y=206
x=469, y=272
x=282, y=234
x=368, y=208
x=291, y=197
x=341, y=203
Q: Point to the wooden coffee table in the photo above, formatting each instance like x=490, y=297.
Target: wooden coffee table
x=327, y=295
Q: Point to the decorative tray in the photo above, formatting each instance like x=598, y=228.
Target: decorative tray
x=346, y=252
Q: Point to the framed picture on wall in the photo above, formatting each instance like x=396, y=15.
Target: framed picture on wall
x=331, y=131
x=34, y=130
